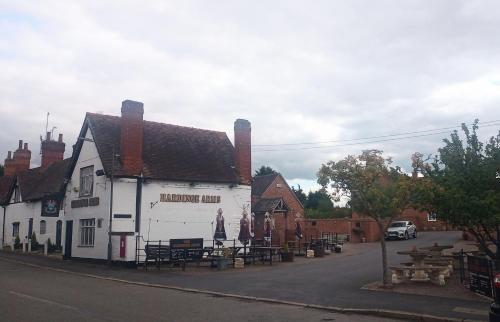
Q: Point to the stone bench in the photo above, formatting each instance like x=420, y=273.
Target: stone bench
x=434, y=274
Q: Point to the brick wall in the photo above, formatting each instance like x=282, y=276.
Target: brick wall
x=280, y=189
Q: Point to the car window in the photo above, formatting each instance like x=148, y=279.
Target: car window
x=398, y=224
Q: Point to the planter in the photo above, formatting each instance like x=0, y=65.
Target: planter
x=287, y=257
x=222, y=263
x=319, y=251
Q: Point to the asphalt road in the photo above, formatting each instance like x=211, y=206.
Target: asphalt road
x=32, y=294
x=334, y=280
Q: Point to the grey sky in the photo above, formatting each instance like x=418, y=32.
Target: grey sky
x=299, y=71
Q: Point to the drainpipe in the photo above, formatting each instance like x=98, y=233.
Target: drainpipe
x=3, y=226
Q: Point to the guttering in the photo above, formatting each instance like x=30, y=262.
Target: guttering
x=3, y=226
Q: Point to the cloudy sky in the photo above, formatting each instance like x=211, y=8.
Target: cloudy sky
x=300, y=71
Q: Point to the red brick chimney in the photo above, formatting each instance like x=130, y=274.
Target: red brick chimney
x=131, y=137
x=19, y=162
x=52, y=151
x=243, y=150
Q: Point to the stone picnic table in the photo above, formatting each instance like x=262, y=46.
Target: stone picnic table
x=436, y=251
x=418, y=264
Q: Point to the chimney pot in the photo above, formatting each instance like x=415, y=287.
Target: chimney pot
x=60, y=138
x=9, y=155
x=25, y=146
x=48, y=136
x=20, y=144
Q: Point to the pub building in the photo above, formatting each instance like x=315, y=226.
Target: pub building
x=143, y=180
x=31, y=199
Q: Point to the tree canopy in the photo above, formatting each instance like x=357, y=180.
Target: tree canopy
x=374, y=187
x=265, y=170
x=461, y=185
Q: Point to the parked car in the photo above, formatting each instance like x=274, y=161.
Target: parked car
x=401, y=230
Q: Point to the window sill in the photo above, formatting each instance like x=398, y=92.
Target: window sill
x=82, y=246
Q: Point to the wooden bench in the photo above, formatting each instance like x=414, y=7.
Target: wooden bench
x=157, y=253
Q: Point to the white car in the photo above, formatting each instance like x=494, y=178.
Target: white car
x=401, y=230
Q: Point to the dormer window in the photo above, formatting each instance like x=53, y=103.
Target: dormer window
x=86, y=181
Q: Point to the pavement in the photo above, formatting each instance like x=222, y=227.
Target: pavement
x=335, y=281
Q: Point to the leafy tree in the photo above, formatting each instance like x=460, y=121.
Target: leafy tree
x=461, y=185
x=319, y=204
x=375, y=189
x=264, y=170
x=299, y=193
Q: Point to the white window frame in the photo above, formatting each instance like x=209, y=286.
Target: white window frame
x=87, y=181
x=43, y=227
x=87, y=232
x=15, y=232
x=431, y=216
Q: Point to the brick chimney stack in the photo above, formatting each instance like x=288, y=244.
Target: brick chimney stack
x=52, y=151
x=131, y=137
x=243, y=150
x=19, y=162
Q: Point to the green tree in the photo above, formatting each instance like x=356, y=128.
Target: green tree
x=461, y=185
x=319, y=204
x=264, y=170
x=375, y=189
x=299, y=193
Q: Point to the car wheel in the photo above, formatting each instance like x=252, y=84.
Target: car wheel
x=406, y=235
x=415, y=234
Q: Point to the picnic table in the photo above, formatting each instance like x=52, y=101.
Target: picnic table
x=263, y=251
x=418, y=261
x=436, y=251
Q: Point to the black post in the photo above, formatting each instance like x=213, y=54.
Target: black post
x=158, y=258
x=110, y=248
x=234, y=251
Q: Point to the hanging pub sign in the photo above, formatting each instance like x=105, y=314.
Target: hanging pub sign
x=51, y=206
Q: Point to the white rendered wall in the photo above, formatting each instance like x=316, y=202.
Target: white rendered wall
x=168, y=220
x=89, y=156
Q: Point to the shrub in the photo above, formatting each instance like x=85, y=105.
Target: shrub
x=34, y=243
x=17, y=243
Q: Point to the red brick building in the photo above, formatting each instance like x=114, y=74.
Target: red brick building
x=271, y=193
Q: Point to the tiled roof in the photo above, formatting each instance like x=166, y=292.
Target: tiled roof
x=261, y=183
x=6, y=184
x=170, y=152
x=266, y=204
x=37, y=183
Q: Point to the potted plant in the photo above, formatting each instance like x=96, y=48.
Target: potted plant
x=286, y=254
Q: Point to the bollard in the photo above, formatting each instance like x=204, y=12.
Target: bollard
x=46, y=247
x=29, y=245
x=25, y=247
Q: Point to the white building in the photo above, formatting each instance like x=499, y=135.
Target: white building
x=31, y=199
x=168, y=182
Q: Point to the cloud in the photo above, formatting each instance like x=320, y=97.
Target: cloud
x=300, y=72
